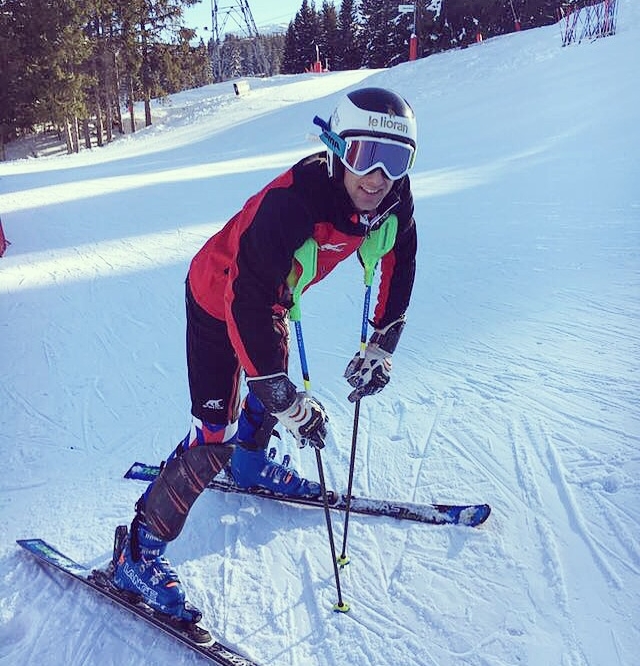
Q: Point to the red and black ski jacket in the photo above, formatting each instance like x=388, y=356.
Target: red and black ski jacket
x=240, y=274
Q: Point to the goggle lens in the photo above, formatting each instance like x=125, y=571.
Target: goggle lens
x=363, y=155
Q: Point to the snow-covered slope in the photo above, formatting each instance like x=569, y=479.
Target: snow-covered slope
x=516, y=381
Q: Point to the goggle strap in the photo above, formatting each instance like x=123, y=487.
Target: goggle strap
x=335, y=143
x=321, y=123
x=338, y=146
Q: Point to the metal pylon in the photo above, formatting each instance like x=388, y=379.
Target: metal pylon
x=240, y=12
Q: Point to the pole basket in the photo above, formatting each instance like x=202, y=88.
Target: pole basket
x=587, y=19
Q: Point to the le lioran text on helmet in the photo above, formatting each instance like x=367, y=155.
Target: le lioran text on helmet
x=382, y=122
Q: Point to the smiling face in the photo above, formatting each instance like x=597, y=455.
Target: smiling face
x=368, y=191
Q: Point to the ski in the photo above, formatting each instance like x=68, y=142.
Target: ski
x=100, y=581
x=470, y=515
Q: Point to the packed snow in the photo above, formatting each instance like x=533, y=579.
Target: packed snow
x=516, y=381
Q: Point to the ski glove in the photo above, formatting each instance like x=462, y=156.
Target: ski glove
x=303, y=416
x=370, y=373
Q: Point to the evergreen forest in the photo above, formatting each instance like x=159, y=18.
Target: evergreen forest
x=76, y=67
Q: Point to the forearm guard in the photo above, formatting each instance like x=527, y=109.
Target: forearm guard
x=387, y=338
x=276, y=392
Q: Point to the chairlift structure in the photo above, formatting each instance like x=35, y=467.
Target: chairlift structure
x=239, y=12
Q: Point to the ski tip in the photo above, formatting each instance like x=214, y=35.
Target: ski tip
x=130, y=473
x=142, y=472
x=483, y=511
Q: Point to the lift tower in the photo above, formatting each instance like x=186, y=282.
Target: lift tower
x=240, y=13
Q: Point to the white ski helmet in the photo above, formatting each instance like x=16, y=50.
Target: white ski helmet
x=384, y=116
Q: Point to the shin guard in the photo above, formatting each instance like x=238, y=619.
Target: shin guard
x=170, y=497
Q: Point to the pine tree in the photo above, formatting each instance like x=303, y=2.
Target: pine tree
x=384, y=41
x=303, y=40
x=54, y=45
x=233, y=57
x=308, y=33
x=274, y=52
x=348, y=39
x=291, y=61
x=328, y=37
x=16, y=107
x=156, y=21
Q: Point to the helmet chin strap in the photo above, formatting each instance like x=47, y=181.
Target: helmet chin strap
x=376, y=220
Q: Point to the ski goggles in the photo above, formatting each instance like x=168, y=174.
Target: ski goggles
x=363, y=154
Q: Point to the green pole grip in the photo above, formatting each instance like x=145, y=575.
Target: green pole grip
x=307, y=256
x=376, y=245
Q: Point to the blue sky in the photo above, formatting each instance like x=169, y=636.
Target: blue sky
x=265, y=13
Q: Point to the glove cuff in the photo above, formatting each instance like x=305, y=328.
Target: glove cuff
x=387, y=338
x=276, y=392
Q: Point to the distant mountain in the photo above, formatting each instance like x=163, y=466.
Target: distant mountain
x=273, y=28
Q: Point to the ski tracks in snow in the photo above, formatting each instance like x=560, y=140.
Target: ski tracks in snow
x=555, y=475
x=529, y=467
x=550, y=446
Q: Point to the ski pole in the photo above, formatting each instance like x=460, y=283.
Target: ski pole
x=307, y=258
x=377, y=244
x=344, y=559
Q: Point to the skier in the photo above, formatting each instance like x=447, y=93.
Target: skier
x=238, y=295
